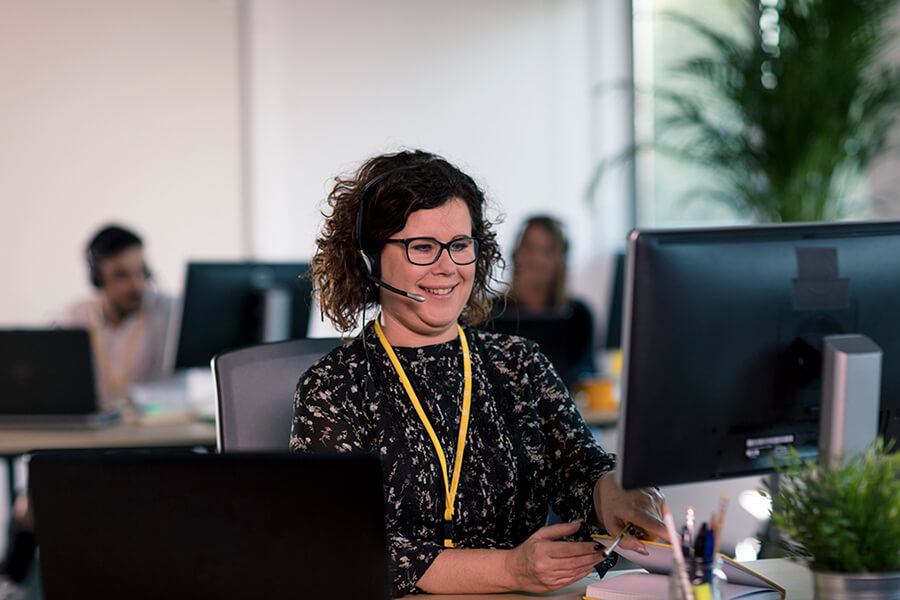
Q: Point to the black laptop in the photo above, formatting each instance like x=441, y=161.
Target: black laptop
x=47, y=379
x=130, y=525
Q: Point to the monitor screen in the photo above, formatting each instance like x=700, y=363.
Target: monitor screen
x=559, y=338
x=723, y=336
x=614, y=315
x=230, y=305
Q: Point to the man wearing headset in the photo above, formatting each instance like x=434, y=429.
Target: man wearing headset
x=129, y=320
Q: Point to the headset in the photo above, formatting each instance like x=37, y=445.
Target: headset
x=369, y=262
x=100, y=248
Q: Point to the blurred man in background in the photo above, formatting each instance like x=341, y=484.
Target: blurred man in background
x=128, y=318
x=129, y=322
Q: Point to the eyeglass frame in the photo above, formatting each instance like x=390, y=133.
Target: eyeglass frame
x=407, y=241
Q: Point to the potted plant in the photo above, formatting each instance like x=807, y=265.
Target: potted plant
x=844, y=520
x=787, y=114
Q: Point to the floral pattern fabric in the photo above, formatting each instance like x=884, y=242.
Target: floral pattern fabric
x=527, y=446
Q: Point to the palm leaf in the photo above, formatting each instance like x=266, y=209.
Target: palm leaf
x=781, y=130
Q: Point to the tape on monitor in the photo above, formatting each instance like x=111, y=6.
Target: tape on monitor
x=818, y=285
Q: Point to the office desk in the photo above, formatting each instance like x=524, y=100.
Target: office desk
x=15, y=442
x=123, y=435
x=599, y=418
x=795, y=579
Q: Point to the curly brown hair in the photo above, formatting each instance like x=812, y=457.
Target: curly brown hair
x=392, y=187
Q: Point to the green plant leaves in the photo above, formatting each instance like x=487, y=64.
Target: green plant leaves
x=844, y=519
x=785, y=129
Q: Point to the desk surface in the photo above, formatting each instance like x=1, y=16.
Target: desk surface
x=795, y=579
x=599, y=418
x=122, y=435
x=184, y=433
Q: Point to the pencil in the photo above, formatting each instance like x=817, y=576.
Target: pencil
x=677, y=555
x=719, y=522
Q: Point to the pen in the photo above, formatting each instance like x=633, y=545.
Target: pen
x=687, y=532
x=709, y=546
x=698, y=567
x=628, y=529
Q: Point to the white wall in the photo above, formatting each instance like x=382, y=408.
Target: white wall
x=499, y=87
x=502, y=88
x=133, y=111
x=114, y=110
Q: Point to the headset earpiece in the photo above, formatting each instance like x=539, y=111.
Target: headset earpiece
x=370, y=265
x=93, y=270
x=370, y=262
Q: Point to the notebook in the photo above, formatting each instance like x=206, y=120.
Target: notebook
x=743, y=583
x=183, y=525
x=47, y=380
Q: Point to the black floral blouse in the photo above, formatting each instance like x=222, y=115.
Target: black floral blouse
x=528, y=448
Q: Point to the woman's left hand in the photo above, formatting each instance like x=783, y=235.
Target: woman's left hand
x=642, y=508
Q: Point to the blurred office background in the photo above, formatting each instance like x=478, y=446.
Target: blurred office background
x=214, y=127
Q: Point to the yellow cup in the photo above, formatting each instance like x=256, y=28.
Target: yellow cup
x=601, y=394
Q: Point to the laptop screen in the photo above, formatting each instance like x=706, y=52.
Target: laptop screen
x=130, y=525
x=46, y=372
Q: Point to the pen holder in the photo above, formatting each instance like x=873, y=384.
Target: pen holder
x=706, y=580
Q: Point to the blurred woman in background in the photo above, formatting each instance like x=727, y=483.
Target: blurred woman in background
x=538, y=306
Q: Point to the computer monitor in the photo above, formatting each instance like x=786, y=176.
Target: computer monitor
x=723, y=337
x=552, y=329
x=614, y=315
x=233, y=304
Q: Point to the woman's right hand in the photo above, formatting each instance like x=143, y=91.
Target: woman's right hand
x=541, y=564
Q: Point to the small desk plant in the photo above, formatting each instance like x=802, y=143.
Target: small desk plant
x=844, y=519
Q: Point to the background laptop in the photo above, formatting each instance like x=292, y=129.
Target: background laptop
x=47, y=379
x=549, y=329
x=136, y=526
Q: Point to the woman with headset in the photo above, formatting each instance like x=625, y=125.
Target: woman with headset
x=476, y=431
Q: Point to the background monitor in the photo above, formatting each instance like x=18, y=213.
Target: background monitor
x=551, y=329
x=613, y=336
x=230, y=305
x=723, y=337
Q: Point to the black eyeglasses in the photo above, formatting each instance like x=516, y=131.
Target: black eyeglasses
x=424, y=251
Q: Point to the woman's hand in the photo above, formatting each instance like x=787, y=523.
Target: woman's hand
x=642, y=508
x=540, y=564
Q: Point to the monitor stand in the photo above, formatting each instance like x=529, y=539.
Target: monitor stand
x=277, y=306
x=851, y=394
x=848, y=423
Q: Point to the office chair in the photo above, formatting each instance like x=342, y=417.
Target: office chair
x=254, y=391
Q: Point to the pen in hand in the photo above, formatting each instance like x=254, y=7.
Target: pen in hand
x=629, y=529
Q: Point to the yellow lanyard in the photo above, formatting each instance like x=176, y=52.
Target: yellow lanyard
x=449, y=487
